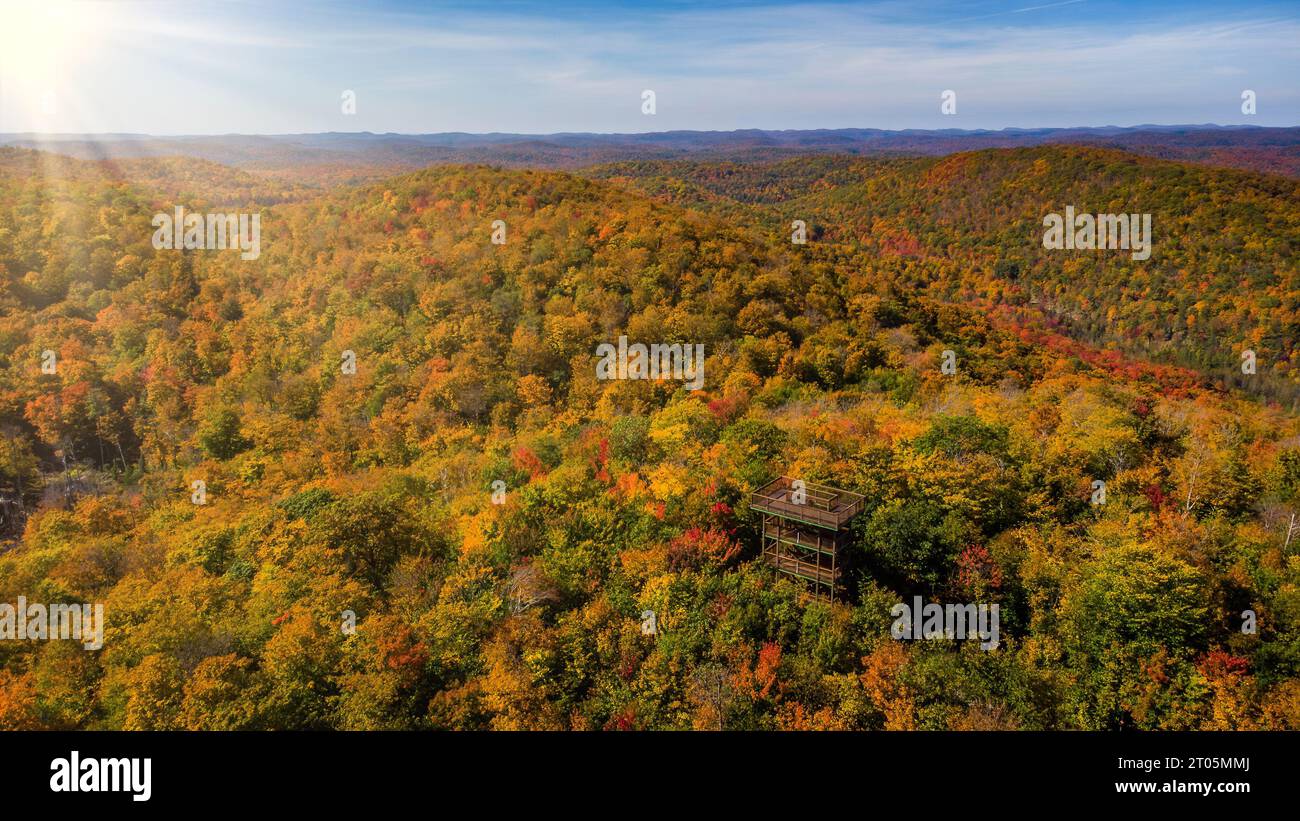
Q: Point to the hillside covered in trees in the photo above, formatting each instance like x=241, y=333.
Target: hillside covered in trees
x=378, y=492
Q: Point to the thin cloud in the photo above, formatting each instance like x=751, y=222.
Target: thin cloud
x=772, y=66
x=1014, y=11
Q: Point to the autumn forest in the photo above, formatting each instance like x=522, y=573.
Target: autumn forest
x=372, y=478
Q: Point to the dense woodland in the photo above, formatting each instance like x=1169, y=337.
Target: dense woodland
x=329, y=492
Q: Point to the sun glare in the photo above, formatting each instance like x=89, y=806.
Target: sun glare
x=39, y=41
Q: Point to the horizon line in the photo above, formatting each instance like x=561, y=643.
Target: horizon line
x=1003, y=130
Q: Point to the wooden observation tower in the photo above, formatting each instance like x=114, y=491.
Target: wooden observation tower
x=806, y=531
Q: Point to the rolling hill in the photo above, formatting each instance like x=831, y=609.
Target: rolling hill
x=374, y=492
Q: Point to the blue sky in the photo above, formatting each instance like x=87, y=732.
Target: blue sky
x=179, y=67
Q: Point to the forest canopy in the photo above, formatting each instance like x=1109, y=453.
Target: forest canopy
x=496, y=519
